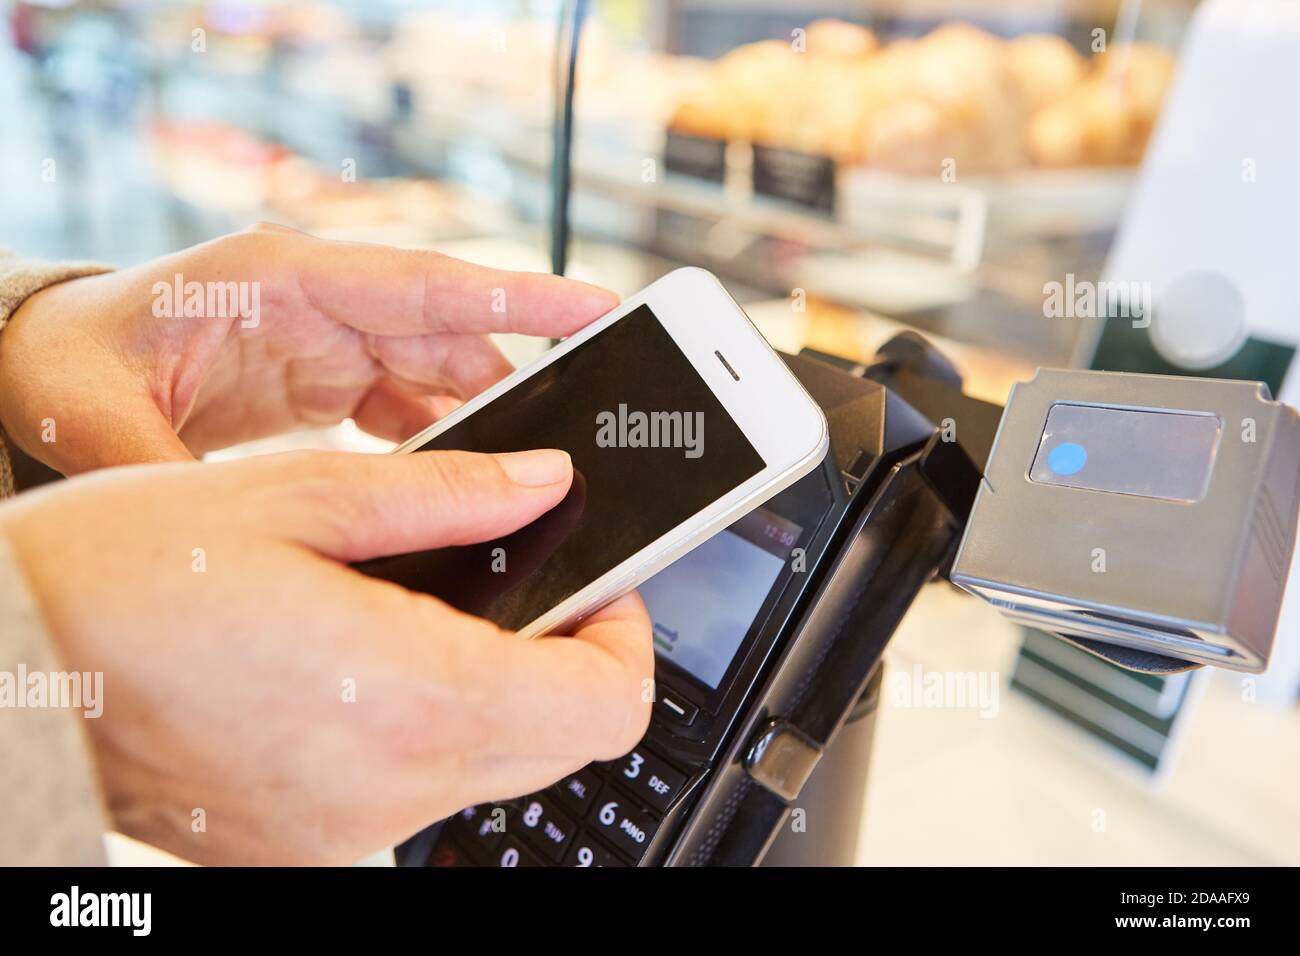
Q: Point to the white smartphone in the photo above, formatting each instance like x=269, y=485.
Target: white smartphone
x=679, y=418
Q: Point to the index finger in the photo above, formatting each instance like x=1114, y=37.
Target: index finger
x=383, y=290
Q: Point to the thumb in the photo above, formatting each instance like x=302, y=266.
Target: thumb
x=352, y=507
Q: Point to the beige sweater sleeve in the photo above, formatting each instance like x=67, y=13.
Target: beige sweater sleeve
x=51, y=811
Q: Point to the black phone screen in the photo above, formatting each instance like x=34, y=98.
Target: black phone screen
x=651, y=446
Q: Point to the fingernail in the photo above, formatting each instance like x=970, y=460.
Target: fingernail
x=533, y=469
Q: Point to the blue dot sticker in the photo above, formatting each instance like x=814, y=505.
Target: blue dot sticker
x=1067, y=458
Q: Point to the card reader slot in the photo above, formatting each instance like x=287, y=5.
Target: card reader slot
x=1084, y=623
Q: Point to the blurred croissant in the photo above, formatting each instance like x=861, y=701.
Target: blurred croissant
x=1107, y=118
x=957, y=94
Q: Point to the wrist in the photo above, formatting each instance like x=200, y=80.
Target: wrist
x=78, y=378
x=26, y=358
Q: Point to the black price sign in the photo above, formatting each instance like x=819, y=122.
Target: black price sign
x=805, y=179
x=696, y=156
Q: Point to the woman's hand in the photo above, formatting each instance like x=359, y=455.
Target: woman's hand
x=303, y=712
x=293, y=331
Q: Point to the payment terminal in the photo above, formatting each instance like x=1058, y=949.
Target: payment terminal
x=1146, y=519
x=766, y=638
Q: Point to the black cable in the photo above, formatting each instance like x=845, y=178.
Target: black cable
x=572, y=15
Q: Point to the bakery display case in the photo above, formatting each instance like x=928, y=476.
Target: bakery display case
x=932, y=170
x=871, y=164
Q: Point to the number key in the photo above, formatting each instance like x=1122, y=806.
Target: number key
x=514, y=853
x=587, y=852
x=577, y=790
x=626, y=827
x=653, y=782
x=545, y=827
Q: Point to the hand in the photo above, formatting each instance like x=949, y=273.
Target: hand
x=311, y=713
x=338, y=330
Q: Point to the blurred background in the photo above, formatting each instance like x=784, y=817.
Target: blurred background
x=849, y=170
